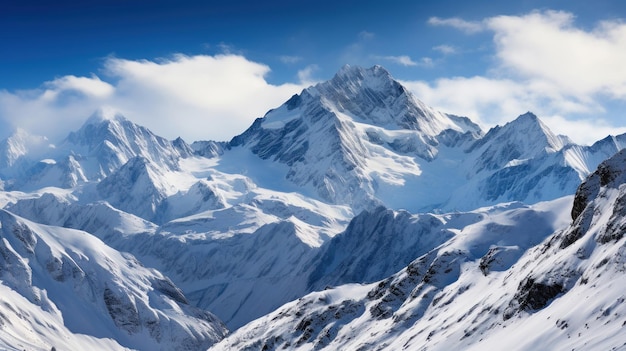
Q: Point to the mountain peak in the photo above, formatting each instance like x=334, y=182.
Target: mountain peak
x=19, y=144
x=528, y=132
x=533, y=126
x=528, y=116
x=104, y=114
x=358, y=71
x=358, y=114
x=373, y=96
x=350, y=80
x=112, y=140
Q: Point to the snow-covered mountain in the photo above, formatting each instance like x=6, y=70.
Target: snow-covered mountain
x=353, y=137
x=19, y=144
x=65, y=289
x=499, y=283
x=108, y=140
x=363, y=140
x=102, y=145
x=349, y=181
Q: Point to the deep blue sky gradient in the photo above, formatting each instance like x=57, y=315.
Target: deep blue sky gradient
x=42, y=40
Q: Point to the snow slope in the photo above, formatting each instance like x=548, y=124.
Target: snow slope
x=64, y=288
x=235, y=235
x=500, y=283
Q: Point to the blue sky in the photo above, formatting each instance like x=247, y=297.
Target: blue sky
x=206, y=69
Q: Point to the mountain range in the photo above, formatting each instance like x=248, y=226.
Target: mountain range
x=353, y=216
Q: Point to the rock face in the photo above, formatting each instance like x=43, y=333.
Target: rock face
x=362, y=140
x=354, y=256
x=610, y=174
x=137, y=187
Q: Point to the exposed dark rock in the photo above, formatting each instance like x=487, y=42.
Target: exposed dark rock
x=609, y=173
x=168, y=288
x=122, y=311
x=532, y=295
x=313, y=324
x=615, y=228
x=294, y=102
x=209, y=149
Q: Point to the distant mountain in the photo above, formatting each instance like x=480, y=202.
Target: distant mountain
x=102, y=145
x=19, y=144
x=349, y=181
x=500, y=283
x=109, y=140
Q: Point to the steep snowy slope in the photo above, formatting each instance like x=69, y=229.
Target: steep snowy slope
x=520, y=161
x=236, y=237
x=108, y=140
x=69, y=290
x=499, y=283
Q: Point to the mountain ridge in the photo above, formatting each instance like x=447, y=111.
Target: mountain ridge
x=293, y=204
x=459, y=296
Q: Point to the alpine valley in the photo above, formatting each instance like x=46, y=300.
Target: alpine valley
x=352, y=217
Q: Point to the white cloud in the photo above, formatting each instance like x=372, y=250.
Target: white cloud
x=305, y=75
x=289, y=59
x=547, y=46
x=196, y=97
x=468, y=27
x=405, y=60
x=89, y=86
x=365, y=35
x=446, y=49
x=486, y=101
x=588, y=130
x=493, y=101
x=545, y=64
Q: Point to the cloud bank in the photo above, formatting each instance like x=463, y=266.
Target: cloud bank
x=542, y=62
x=197, y=97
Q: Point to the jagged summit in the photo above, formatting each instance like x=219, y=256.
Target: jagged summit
x=528, y=130
x=331, y=133
x=112, y=140
x=349, y=79
x=535, y=128
x=372, y=95
x=610, y=174
x=523, y=138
